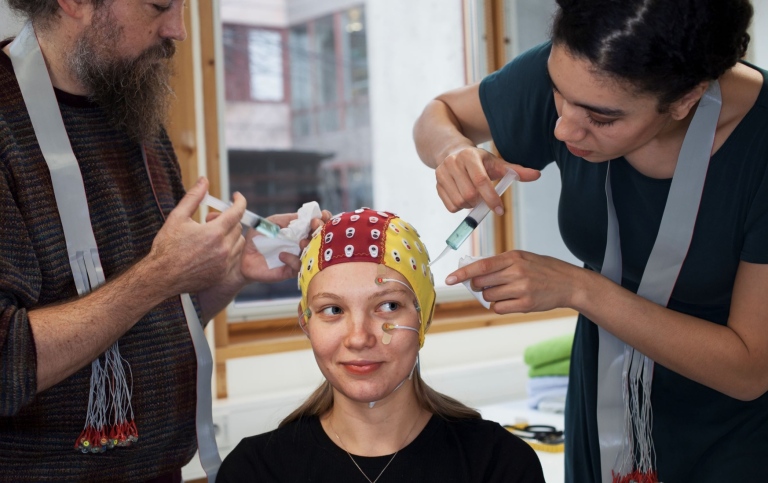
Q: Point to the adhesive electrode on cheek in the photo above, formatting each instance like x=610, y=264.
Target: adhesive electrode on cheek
x=387, y=326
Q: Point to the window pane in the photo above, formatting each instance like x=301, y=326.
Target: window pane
x=355, y=50
x=536, y=204
x=356, y=75
x=310, y=141
x=265, y=52
x=236, y=77
x=325, y=53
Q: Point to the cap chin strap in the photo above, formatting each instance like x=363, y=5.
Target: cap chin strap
x=410, y=376
x=386, y=327
x=304, y=316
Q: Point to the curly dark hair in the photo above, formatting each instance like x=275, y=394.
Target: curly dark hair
x=662, y=47
x=41, y=11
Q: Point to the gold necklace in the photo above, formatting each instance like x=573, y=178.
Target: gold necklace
x=330, y=423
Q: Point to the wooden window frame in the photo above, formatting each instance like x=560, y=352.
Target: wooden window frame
x=251, y=338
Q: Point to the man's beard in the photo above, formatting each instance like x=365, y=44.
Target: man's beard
x=135, y=93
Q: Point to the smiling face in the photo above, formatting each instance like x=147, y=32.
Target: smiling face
x=600, y=118
x=348, y=310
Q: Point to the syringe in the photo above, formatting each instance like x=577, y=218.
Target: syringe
x=474, y=217
x=249, y=219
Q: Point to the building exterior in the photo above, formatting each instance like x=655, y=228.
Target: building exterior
x=296, y=83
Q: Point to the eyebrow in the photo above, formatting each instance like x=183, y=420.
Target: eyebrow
x=382, y=293
x=326, y=295
x=604, y=111
x=391, y=291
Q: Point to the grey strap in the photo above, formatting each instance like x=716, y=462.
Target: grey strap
x=210, y=459
x=676, y=229
x=611, y=355
x=206, y=437
x=69, y=190
x=618, y=362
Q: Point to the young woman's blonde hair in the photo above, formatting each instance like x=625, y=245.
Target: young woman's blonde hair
x=321, y=401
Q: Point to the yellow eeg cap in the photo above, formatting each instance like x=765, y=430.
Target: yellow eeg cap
x=380, y=237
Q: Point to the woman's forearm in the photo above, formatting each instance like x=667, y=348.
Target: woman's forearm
x=437, y=133
x=714, y=355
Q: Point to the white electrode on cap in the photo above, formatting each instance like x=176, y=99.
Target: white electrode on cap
x=474, y=217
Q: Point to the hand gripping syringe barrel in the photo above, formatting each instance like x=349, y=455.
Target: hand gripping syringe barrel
x=249, y=219
x=474, y=217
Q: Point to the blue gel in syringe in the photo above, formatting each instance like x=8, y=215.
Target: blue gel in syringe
x=474, y=217
x=461, y=233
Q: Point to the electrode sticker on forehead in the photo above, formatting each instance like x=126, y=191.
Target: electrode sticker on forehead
x=379, y=237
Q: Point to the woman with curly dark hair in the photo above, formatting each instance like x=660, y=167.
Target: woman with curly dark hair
x=659, y=130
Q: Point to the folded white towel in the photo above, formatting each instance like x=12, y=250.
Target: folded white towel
x=289, y=237
x=547, y=393
x=466, y=260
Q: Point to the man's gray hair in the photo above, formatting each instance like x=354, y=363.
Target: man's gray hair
x=40, y=12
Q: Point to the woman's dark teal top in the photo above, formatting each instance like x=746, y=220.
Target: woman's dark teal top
x=700, y=435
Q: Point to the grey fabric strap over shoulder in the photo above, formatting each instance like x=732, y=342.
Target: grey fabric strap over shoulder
x=65, y=173
x=42, y=106
x=617, y=361
x=206, y=436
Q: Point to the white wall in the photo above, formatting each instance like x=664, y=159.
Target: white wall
x=415, y=52
x=300, y=11
x=265, y=13
x=758, y=46
x=260, y=376
x=10, y=24
x=256, y=126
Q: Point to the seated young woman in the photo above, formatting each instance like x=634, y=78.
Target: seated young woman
x=367, y=298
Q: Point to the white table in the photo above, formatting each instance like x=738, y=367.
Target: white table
x=517, y=412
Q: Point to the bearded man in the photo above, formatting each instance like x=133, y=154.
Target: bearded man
x=109, y=66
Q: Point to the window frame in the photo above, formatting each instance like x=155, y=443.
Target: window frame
x=253, y=336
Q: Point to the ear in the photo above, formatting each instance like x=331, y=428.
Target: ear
x=682, y=107
x=303, y=320
x=77, y=9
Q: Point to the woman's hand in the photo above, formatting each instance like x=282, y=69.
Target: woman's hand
x=464, y=178
x=518, y=281
x=446, y=135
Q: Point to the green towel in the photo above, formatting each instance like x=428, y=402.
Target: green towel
x=551, y=350
x=557, y=368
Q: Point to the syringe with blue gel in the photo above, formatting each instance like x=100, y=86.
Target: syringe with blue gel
x=249, y=219
x=474, y=217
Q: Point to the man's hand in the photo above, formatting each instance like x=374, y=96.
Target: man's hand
x=188, y=256
x=253, y=266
